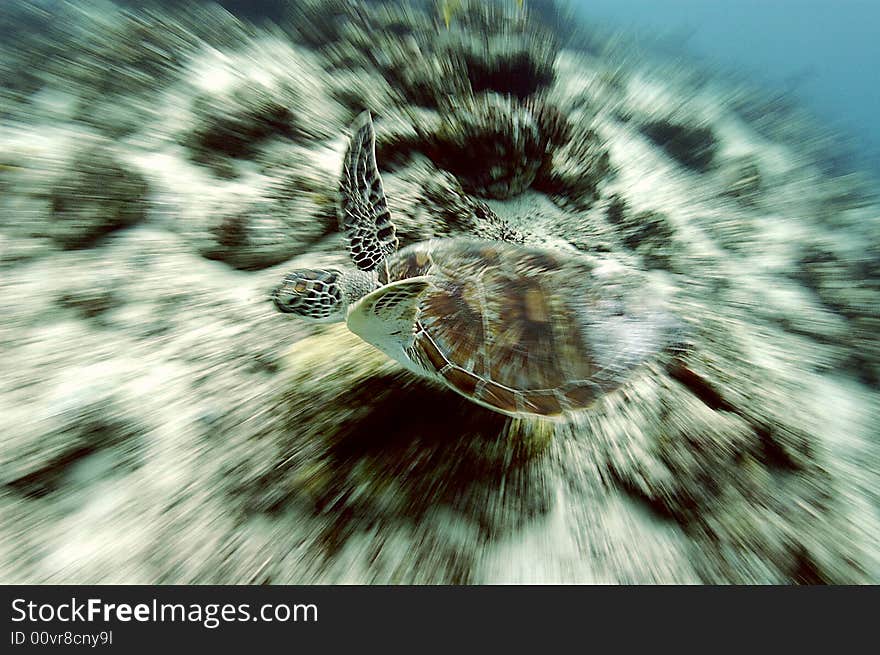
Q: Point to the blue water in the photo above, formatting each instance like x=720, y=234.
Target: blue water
x=825, y=51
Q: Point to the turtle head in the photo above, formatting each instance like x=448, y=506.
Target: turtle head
x=313, y=294
x=319, y=295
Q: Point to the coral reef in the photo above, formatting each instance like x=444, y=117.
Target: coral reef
x=494, y=144
x=573, y=172
x=848, y=284
x=106, y=61
x=742, y=180
x=252, y=232
x=74, y=194
x=161, y=169
x=691, y=146
x=267, y=91
x=428, y=203
x=486, y=49
x=95, y=195
x=511, y=56
x=648, y=234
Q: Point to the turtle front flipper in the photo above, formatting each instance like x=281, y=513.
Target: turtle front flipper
x=363, y=210
x=386, y=317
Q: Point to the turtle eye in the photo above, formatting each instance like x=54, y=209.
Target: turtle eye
x=286, y=300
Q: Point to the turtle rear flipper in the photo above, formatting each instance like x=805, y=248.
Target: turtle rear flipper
x=386, y=317
x=363, y=210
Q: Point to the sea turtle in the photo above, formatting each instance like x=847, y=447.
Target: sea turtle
x=520, y=330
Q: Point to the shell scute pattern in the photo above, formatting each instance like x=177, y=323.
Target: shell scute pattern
x=498, y=396
x=498, y=324
x=411, y=262
x=462, y=380
x=544, y=402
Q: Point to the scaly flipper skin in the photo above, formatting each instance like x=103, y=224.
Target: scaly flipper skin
x=386, y=317
x=363, y=210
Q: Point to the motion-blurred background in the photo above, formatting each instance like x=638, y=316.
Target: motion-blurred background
x=162, y=166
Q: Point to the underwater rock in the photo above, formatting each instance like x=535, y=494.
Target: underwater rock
x=126, y=52
x=65, y=188
x=494, y=145
x=733, y=230
x=96, y=195
x=81, y=415
x=691, y=146
x=399, y=135
x=359, y=90
x=616, y=211
x=355, y=35
x=414, y=220
x=741, y=179
x=428, y=203
x=555, y=127
x=251, y=231
x=711, y=446
x=573, y=172
x=234, y=125
x=865, y=349
x=110, y=60
x=848, y=283
x=319, y=23
x=16, y=249
x=429, y=80
x=520, y=68
x=586, y=87
x=76, y=195
x=502, y=50
x=545, y=222
x=649, y=234
x=415, y=68
x=246, y=99
x=442, y=196
x=91, y=298
x=485, y=49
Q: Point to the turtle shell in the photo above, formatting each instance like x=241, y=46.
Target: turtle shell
x=526, y=331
